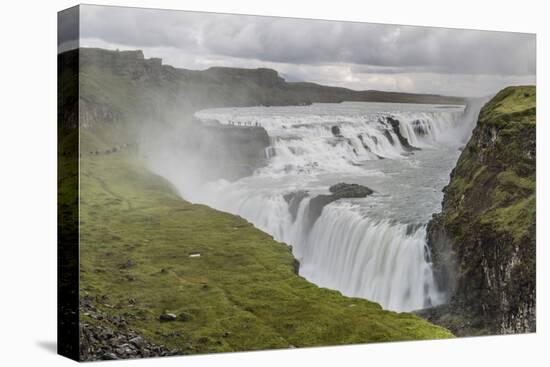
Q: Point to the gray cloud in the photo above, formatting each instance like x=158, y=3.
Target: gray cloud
x=302, y=47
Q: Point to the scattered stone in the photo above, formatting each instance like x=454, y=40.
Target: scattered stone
x=100, y=342
x=194, y=254
x=137, y=341
x=109, y=356
x=167, y=317
x=336, y=131
x=107, y=333
x=127, y=264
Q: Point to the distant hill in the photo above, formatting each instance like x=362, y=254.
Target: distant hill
x=221, y=86
x=121, y=90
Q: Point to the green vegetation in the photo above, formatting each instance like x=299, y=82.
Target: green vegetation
x=489, y=218
x=495, y=175
x=517, y=104
x=137, y=235
x=241, y=293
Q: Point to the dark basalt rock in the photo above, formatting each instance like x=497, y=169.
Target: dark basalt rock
x=404, y=141
x=389, y=137
x=344, y=190
x=167, y=317
x=419, y=128
x=339, y=191
x=336, y=131
x=483, y=242
x=229, y=151
x=112, y=338
x=367, y=148
x=293, y=200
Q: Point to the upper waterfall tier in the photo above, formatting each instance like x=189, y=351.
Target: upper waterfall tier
x=339, y=137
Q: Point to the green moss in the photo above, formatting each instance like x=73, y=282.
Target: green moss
x=512, y=104
x=241, y=293
x=495, y=174
x=517, y=219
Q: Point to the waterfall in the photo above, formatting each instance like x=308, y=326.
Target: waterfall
x=357, y=246
x=313, y=141
x=379, y=260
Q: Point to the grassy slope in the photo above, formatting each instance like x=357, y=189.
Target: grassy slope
x=241, y=294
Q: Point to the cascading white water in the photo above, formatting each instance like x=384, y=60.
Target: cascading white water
x=384, y=261
x=305, y=142
x=372, y=247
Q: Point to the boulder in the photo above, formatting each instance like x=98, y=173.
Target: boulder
x=109, y=356
x=344, y=190
x=339, y=191
x=138, y=342
x=167, y=317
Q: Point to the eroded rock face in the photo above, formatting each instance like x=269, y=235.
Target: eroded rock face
x=394, y=123
x=294, y=199
x=229, y=152
x=483, y=242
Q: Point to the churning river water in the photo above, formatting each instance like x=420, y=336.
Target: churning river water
x=372, y=247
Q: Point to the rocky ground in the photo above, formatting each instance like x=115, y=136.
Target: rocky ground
x=109, y=337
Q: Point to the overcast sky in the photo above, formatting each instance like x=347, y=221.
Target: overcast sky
x=348, y=54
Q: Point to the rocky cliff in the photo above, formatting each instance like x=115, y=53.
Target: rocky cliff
x=228, y=152
x=483, y=241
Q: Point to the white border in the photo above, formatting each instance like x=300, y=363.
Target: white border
x=28, y=205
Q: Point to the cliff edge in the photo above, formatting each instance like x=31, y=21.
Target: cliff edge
x=483, y=241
